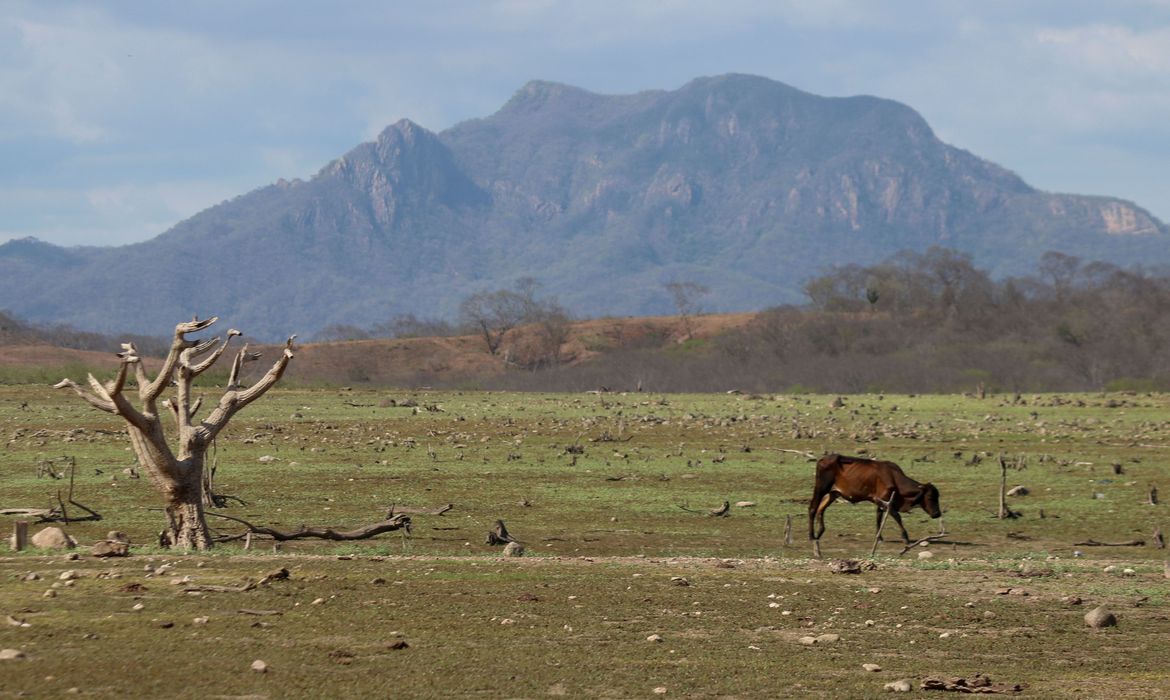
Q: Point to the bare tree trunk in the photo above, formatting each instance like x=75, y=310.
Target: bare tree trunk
x=179, y=477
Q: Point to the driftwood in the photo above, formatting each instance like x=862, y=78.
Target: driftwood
x=396, y=509
x=928, y=538
x=396, y=522
x=978, y=684
x=720, y=512
x=499, y=534
x=58, y=514
x=1095, y=543
x=278, y=575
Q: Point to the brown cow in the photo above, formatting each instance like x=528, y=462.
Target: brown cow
x=856, y=479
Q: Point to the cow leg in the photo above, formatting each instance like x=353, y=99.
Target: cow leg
x=877, y=523
x=817, y=514
x=898, y=519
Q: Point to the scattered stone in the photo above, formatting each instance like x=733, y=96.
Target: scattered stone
x=660, y=690
x=166, y=624
x=654, y=638
x=259, y=666
x=513, y=549
x=398, y=644
x=1100, y=617
x=137, y=606
x=50, y=593
x=378, y=581
x=1020, y=490
x=31, y=576
x=110, y=548
x=1071, y=600
x=11, y=654
x=116, y=536
x=808, y=641
x=745, y=504
x=870, y=623
x=265, y=459
x=902, y=686
x=201, y=620
x=69, y=575
x=317, y=601
x=872, y=668
x=845, y=566
x=1110, y=569
x=828, y=638
x=16, y=623
x=679, y=581
x=926, y=554
x=53, y=538
x=988, y=615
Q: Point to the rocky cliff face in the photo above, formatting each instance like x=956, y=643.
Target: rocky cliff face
x=738, y=182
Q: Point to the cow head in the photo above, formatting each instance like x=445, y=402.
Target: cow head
x=928, y=499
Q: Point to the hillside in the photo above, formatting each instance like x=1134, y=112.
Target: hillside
x=740, y=183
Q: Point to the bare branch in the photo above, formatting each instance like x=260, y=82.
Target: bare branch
x=99, y=403
x=150, y=392
x=203, y=366
x=233, y=400
x=242, y=357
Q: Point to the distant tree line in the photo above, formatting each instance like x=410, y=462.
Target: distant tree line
x=15, y=331
x=921, y=322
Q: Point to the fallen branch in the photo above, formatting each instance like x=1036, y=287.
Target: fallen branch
x=719, y=512
x=1095, y=543
x=979, y=683
x=499, y=534
x=396, y=509
x=928, y=538
x=27, y=512
x=396, y=522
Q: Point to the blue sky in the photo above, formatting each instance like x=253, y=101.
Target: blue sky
x=119, y=119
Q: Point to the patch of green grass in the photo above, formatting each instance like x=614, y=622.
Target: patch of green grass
x=602, y=522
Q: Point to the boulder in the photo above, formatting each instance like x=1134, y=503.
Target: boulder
x=53, y=538
x=1100, y=617
x=110, y=548
x=514, y=549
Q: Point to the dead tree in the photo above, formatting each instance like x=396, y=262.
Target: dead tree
x=178, y=474
x=1004, y=511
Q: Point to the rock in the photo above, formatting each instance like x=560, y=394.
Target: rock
x=1100, y=617
x=808, y=641
x=11, y=654
x=845, y=566
x=828, y=638
x=1071, y=600
x=513, y=549
x=926, y=554
x=654, y=638
x=201, y=620
x=1020, y=490
x=902, y=686
x=53, y=538
x=745, y=504
x=660, y=690
x=872, y=668
x=260, y=666
x=265, y=459
x=69, y=575
x=110, y=548
x=116, y=536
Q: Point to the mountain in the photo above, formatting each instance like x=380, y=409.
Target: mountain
x=737, y=182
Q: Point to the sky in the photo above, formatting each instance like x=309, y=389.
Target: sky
x=120, y=119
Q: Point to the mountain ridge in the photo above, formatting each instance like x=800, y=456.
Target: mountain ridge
x=737, y=182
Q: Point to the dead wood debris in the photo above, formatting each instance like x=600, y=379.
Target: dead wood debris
x=396, y=509
x=397, y=522
x=278, y=575
x=721, y=512
x=979, y=683
x=498, y=535
x=1095, y=543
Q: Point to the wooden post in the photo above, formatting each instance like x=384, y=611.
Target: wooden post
x=788, y=531
x=20, y=536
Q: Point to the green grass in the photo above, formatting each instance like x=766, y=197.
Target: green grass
x=604, y=526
